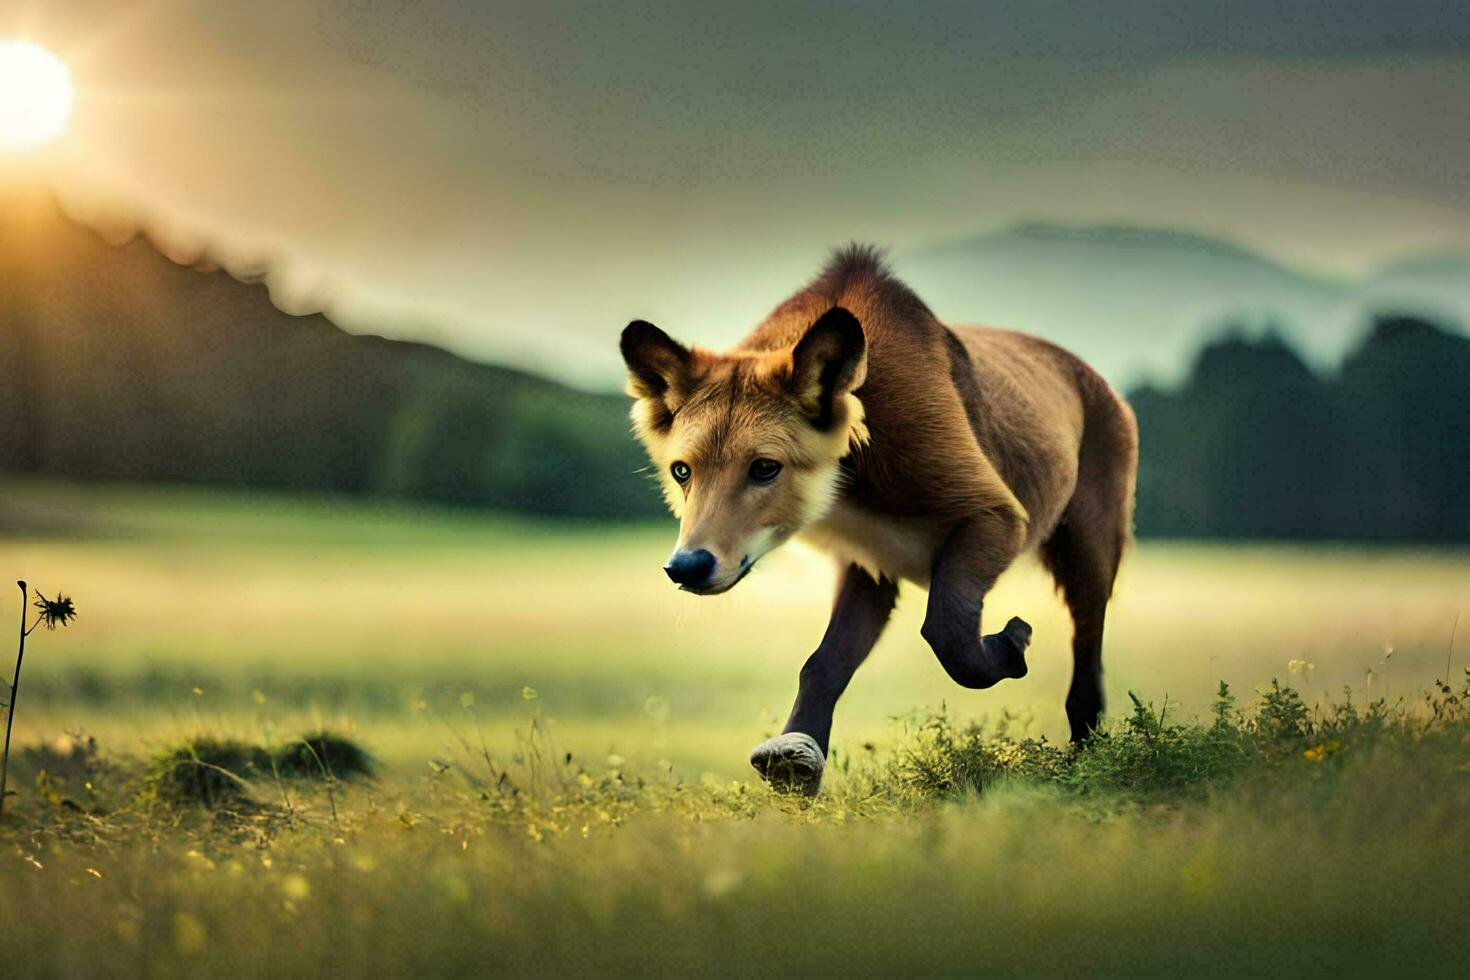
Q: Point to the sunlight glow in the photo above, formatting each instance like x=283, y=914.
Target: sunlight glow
x=36, y=95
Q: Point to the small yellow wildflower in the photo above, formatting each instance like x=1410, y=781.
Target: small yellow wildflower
x=1319, y=752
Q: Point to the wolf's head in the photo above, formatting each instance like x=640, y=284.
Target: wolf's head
x=746, y=444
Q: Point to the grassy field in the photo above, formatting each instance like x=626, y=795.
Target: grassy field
x=560, y=741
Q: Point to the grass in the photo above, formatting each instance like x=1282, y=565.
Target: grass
x=459, y=745
x=1270, y=839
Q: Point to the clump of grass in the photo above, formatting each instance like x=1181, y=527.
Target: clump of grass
x=209, y=771
x=324, y=755
x=221, y=772
x=1146, y=757
x=938, y=758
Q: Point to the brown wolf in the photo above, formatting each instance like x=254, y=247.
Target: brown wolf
x=856, y=420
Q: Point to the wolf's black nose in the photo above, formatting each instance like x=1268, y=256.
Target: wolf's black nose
x=690, y=568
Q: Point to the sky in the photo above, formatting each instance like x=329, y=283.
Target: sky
x=518, y=180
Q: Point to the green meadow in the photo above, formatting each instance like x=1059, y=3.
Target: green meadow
x=558, y=781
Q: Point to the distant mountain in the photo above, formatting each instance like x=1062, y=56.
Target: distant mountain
x=116, y=362
x=1138, y=303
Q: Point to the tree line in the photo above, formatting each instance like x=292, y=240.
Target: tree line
x=1255, y=444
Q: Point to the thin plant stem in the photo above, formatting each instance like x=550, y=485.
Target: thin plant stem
x=10, y=706
x=327, y=775
x=276, y=774
x=1449, y=655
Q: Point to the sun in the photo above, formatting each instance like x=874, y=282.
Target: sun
x=36, y=95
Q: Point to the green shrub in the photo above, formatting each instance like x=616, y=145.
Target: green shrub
x=1146, y=757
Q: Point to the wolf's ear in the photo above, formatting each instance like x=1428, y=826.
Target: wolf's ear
x=830, y=361
x=656, y=362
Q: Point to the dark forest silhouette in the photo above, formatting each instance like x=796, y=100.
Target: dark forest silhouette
x=1255, y=445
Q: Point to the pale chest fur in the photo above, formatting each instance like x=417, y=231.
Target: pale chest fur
x=898, y=548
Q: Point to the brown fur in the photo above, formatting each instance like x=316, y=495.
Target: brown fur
x=958, y=448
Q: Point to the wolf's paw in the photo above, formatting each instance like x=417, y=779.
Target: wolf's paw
x=791, y=763
x=1009, y=646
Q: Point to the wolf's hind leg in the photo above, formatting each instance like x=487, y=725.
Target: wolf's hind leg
x=1083, y=555
x=1084, y=562
x=967, y=565
x=795, y=759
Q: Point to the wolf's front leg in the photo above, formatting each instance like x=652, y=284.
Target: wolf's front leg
x=967, y=565
x=794, y=760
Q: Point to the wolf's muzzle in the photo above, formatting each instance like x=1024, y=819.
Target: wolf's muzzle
x=690, y=569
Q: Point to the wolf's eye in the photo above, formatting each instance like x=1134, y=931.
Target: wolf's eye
x=764, y=470
x=681, y=471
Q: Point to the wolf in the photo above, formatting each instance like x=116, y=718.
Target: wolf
x=911, y=451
